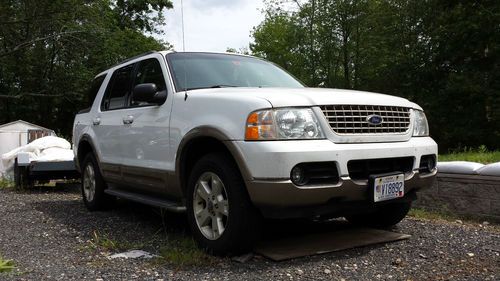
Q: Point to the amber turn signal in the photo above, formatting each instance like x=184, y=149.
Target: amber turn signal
x=260, y=126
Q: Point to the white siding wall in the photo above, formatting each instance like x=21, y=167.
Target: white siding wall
x=13, y=136
x=9, y=141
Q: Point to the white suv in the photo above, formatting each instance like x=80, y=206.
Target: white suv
x=233, y=139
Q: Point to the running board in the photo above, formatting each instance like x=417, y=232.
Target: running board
x=148, y=200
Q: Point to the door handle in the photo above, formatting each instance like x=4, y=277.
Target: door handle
x=128, y=120
x=96, y=121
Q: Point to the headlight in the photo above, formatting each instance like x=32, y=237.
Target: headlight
x=288, y=123
x=420, y=126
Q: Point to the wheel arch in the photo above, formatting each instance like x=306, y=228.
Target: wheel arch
x=201, y=141
x=85, y=146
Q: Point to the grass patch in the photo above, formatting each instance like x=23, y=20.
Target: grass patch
x=182, y=251
x=6, y=184
x=6, y=265
x=431, y=215
x=480, y=155
x=103, y=242
x=421, y=213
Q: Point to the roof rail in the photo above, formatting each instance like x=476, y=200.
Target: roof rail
x=133, y=58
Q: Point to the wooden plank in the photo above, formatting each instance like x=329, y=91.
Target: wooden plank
x=326, y=242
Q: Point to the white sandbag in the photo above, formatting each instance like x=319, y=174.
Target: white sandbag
x=48, y=142
x=490, y=170
x=36, y=149
x=55, y=154
x=459, y=167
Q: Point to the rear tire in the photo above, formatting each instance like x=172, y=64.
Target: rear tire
x=220, y=214
x=385, y=216
x=93, y=186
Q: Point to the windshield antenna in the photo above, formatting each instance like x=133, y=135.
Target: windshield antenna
x=184, y=50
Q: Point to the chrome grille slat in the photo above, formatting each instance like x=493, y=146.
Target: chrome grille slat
x=351, y=119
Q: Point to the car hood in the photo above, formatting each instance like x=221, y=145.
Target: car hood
x=283, y=97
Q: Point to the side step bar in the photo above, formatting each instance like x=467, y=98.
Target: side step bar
x=148, y=200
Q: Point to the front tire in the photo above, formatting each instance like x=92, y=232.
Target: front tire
x=385, y=216
x=220, y=214
x=93, y=186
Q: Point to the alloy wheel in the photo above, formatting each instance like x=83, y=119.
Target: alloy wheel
x=89, y=183
x=210, y=205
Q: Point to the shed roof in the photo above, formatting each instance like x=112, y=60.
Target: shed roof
x=25, y=123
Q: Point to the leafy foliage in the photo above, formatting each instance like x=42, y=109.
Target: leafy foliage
x=50, y=50
x=6, y=184
x=441, y=54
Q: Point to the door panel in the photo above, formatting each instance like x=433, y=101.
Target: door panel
x=108, y=123
x=146, y=148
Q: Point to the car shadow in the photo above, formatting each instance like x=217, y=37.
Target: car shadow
x=140, y=226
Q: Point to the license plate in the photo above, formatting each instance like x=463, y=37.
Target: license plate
x=388, y=187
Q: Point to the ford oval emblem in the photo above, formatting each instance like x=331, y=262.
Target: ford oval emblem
x=374, y=119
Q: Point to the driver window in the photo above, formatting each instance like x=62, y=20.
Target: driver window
x=149, y=71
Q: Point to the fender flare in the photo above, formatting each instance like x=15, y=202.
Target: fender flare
x=212, y=132
x=86, y=138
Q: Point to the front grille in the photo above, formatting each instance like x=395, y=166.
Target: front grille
x=362, y=169
x=353, y=119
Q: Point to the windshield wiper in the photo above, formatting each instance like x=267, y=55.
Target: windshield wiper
x=210, y=87
x=223, y=86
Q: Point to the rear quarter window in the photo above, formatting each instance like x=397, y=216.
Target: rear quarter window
x=92, y=92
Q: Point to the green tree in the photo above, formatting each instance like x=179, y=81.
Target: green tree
x=441, y=54
x=50, y=50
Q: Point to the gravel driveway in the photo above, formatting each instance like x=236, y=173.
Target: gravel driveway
x=49, y=234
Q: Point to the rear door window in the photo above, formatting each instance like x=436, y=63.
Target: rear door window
x=118, y=89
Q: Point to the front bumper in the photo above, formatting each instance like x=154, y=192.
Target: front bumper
x=282, y=199
x=268, y=165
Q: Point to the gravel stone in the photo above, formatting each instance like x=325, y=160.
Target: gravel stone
x=48, y=233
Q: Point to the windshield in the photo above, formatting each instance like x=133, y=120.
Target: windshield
x=204, y=70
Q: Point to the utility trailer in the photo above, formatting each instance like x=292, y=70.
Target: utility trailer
x=26, y=172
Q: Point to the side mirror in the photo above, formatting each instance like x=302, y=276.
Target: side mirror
x=148, y=92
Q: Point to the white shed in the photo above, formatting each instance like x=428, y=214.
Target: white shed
x=19, y=133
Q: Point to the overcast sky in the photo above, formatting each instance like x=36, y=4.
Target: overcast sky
x=213, y=25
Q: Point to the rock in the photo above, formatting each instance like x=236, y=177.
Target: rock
x=327, y=271
x=397, y=262
x=300, y=271
x=243, y=258
x=459, y=221
x=422, y=256
x=470, y=254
